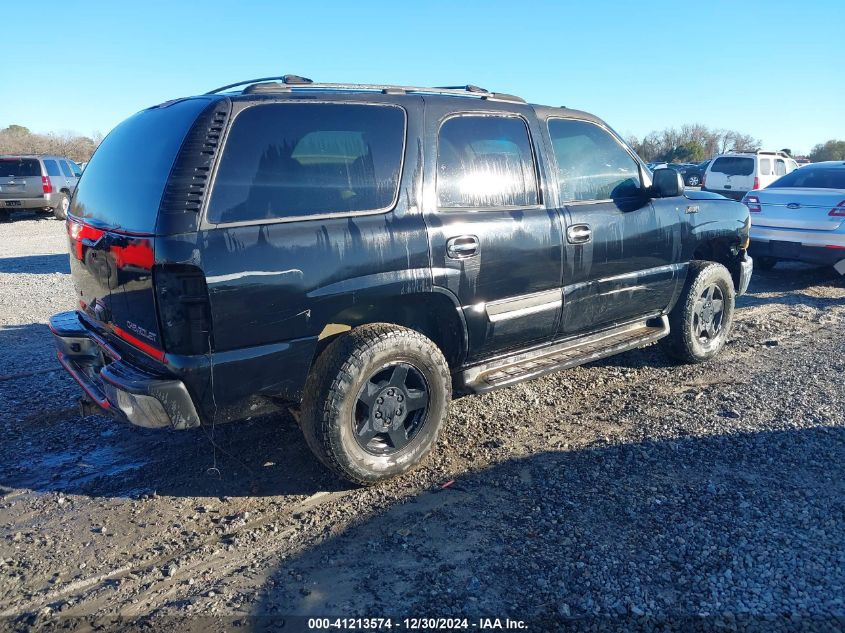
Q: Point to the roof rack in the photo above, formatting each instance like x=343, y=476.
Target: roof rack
x=291, y=83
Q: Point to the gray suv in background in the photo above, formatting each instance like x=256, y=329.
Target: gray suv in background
x=44, y=183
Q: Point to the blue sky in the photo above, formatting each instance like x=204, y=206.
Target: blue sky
x=771, y=69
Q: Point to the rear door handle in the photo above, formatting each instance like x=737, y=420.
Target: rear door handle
x=579, y=234
x=462, y=247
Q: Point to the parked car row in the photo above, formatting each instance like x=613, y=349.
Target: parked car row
x=41, y=182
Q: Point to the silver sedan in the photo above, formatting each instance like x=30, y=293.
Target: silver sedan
x=800, y=217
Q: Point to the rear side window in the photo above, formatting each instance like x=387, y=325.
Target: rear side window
x=780, y=167
x=65, y=169
x=287, y=160
x=733, y=165
x=52, y=168
x=76, y=169
x=485, y=162
x=812, y=178
x=19, y=167
x=591, y=164
x=765, y=166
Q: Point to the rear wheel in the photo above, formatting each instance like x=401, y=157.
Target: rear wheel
x=60, y=212
x=693, y=181
x=764, y=263
x=375, y=402
x=700, y=322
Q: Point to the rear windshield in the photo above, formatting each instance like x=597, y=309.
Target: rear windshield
x=812, y=178
x=19, y=167
x=733, y=166
x=122, y=185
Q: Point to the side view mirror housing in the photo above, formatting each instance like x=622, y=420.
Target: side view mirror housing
x=667, y=183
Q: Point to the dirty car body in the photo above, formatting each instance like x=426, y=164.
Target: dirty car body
x=274, y=219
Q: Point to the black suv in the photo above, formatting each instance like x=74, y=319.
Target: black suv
x=367, y=251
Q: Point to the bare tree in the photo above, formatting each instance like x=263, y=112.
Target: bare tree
x=16, y=139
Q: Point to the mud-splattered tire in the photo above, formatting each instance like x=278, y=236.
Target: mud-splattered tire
x=700, y=323
x=375, y=401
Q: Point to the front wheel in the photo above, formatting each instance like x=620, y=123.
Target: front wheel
x=375, y=402
x=700, y=322
x=693, y=181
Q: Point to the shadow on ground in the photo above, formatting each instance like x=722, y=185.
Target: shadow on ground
x=749, y=523
x=36, y=264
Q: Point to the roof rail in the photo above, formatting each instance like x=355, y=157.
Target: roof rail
x=290, y=83
x=286, y=79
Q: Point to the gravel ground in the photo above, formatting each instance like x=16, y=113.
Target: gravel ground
x=622, y=493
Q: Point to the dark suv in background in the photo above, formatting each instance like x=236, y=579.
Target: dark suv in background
x=40, y=182
x=367, y=251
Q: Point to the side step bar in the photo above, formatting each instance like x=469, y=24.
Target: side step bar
x=563, y=355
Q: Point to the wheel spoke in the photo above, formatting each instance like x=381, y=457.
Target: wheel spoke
x=710, y=292
x=399, y=376
x=366, y=433
x=416, y=399
x=368, y=394
x=398, y=436
x=718, y=304
x=698, y=307
x=711, y=330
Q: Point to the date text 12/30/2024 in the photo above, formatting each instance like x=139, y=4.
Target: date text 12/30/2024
x=416, y=624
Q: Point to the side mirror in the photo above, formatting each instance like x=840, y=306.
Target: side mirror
x=667, y=183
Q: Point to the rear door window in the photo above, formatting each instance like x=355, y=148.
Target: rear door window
x=780, y=167
x=291, y=160
x=765, y=166
x=733, y=165
x=591, y=164
x=19, y=167
x=485, y=162
x=52, y=168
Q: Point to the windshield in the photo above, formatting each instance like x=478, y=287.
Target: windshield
x=19, y=167
x=733, y=166
x=122, y=186
x=812, y=178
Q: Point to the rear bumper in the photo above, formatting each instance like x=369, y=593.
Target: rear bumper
x=825, y=248
x=15, y=204
x=795, y=251
x=117, y=387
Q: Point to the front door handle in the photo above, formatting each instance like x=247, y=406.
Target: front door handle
x=462, y=247
x=579, y=234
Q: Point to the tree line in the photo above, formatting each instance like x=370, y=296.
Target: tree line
x=16, y=139
x=694, y=143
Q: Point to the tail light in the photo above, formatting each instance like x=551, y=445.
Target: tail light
x=838, y=210
x=46, y=184
x=183, y=308
x=756, y=183
x=753, y=203
x=703, y=179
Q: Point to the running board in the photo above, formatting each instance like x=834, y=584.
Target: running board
x=538, y=362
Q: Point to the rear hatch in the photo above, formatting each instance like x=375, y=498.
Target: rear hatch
x=805, y=209
x=20, y=178
x=112, y=224
x=731, y=173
